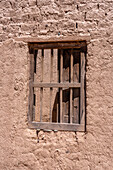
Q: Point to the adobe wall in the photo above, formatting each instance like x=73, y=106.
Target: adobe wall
x=19, y=149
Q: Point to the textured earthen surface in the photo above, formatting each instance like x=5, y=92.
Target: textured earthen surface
x=19, y=149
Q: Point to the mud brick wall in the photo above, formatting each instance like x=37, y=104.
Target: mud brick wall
x=92, y=150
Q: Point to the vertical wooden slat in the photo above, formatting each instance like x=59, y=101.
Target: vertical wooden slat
x=66, y=92
x=61, y=66
x=35, y=90
x=71, y=80
x=60, y=105
x=57, y=107
x=82, y=111
x=31, y=88
x=42, y=65
x=61, y=78
x=71, y=105
x=38, y=79
x=50, y=105
x=71, y=66
x=34, y=98
x=51, y=79
x=41, y=89
x=76, y=92
x=41, y=103
x=51, y=66
x=57, y=78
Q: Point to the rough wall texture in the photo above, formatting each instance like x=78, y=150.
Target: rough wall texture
x=19, y=149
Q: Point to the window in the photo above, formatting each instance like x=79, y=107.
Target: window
x=57, y=84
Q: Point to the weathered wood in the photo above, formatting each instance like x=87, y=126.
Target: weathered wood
x=66, y=65
x=71, y=66
x=82, y=111
x=42, y=65
x=63, y=85
x=30, y=87
x=34, y=89
x=58, y=73
x=76, y=105
x=41, y=103
x=37, y=107
x=56, y=126
x=41, y=89
x=56, y=85
x=61, y=77
x=63, y=45
x=66, y=105
x=57, y=108
x=51, y=90
x=51, y=79
x=51, y=66
x=61, y=105
x=71, y=80
x=31, y=67
x=76, y=92
x=30, y=103
x=66, y=91
x=61, y=66
x=55, y=39
x=35, y=60
x=37, y=77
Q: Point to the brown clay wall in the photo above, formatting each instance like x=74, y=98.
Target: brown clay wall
x=19, y=149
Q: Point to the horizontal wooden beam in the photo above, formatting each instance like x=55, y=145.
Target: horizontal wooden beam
x=58, y=45
x=56, y=126
x=56, y=85
x=54, y=39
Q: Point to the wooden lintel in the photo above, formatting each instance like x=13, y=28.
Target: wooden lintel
x=54, y=39
x=56, y=126
x=58, y=45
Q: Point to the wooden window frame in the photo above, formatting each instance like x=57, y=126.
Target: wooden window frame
x=79, y=44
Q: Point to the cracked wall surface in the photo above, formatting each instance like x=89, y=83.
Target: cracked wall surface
x=92, y=150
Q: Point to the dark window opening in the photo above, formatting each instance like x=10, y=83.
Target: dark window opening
x=57, y=85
